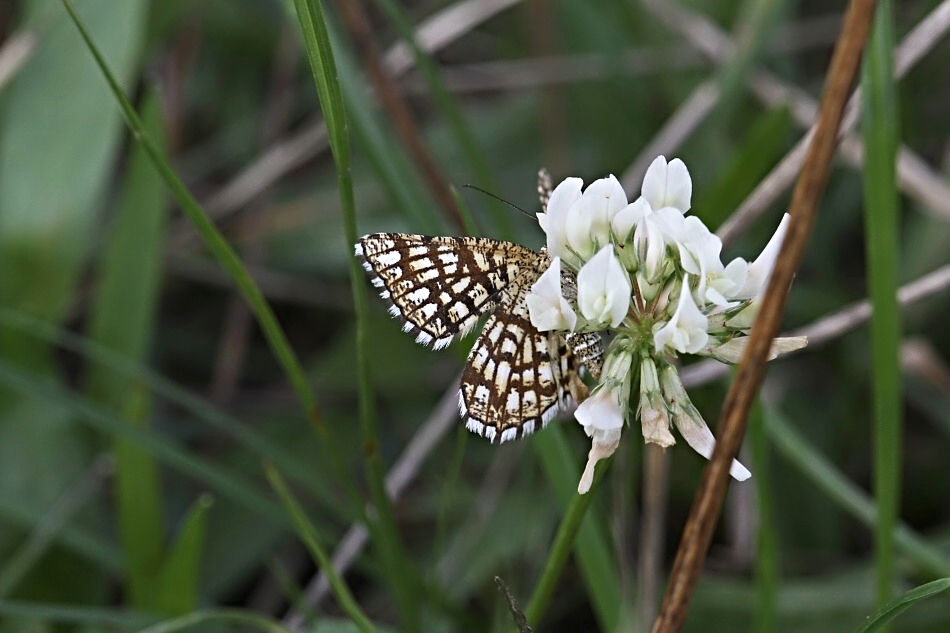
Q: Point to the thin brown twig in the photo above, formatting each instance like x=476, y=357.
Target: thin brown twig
x=697, y=534
x=356, y=20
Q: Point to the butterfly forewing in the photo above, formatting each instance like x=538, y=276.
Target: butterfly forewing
x=440, y=286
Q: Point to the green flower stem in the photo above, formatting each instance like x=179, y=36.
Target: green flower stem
x=562, y=547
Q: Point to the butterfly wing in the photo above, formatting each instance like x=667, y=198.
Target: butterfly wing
x=440, y=286
x=517, y=378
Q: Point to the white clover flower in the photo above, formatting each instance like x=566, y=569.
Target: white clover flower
x=685, y=332
x=589, y=218
x=631, y=259
x=690, y=423
x=667, y=184
x=554, y=222
x=603, y=289
x=547, y=307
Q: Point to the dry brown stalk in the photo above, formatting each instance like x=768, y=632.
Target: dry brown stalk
x=707, y=503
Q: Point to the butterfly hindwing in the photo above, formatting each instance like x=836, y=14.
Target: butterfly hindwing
x=516, y=378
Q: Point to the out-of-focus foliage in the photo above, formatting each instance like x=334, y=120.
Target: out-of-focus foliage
x=135, y=388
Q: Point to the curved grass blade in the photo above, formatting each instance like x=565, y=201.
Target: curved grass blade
x=249, y=619
x=894, y=608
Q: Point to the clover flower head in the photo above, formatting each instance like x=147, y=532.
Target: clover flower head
x=653, y=276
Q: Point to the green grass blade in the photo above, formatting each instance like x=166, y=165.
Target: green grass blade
x=926, y=558
x=767, y=549
x=881, y=137
x=122, y=318
x=308, y=534
x=72, y=614
x=249, y=620
x=47, y=223
x=894, y=608
x=87, y=544
x=178, y=581
x=384, y=529
x=387, y=159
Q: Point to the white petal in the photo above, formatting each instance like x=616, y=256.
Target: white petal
x=668, y=185
x=603, y=289
x=701, y=439
x=606, y=195
x=654, y=415
x=686, y=331
x=554, y=222
x=602, y=446
x=731, y=351
x=547, y=307
x=651, y=249
x=600, y=412
x=579, y=229
x=629, y=217
x=761, y=269
x=589, y=219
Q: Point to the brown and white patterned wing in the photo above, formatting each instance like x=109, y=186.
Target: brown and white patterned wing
x=440, y=286
x=517, y=378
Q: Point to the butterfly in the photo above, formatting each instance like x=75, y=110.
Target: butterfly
x=516, y=378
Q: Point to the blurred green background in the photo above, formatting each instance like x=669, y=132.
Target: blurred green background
x=139, y=398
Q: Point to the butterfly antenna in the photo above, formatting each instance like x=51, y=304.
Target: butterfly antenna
x=510, y=204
